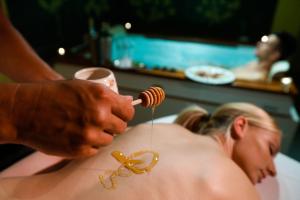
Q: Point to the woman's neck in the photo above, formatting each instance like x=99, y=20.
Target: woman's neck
x=225, y=142
x=265, y=65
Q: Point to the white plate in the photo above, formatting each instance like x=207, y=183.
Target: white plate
x=210, y=74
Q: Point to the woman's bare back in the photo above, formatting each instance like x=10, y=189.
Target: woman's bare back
x=190, y=167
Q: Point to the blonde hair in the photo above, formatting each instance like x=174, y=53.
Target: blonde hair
x=198, y=120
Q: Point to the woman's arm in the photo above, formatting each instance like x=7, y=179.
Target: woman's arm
x=18, y=60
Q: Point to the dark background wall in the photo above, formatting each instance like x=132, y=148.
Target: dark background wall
x=48, y=22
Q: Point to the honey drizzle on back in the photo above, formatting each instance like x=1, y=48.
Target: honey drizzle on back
x=129, y=164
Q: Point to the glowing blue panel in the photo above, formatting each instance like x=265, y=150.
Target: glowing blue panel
x=154, y=52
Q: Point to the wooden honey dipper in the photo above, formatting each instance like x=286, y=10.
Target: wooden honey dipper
x=151, y=97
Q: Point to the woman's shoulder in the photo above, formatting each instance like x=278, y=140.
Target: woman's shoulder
x=159, y=129
x=227, y=181
x=158, y=125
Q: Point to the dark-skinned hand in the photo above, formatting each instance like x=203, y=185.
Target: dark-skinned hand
x=69, y=118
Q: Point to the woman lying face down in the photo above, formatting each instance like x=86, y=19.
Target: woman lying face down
x=234, y=148
x=247, y=133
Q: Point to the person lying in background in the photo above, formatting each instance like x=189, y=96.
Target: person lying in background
x=201, y=156
x=69, y=118
x=270, y=49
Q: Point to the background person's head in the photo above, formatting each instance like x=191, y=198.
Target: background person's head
x=256, y=136
x=276, y=46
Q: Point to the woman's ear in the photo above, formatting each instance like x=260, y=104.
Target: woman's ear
x=239, y=127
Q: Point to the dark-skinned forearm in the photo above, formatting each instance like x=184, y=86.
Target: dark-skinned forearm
x=18, y=60
x=17, y=107
x=8, y=131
